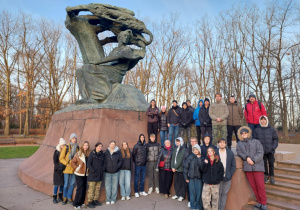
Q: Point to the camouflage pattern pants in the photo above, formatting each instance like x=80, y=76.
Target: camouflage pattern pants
x=216, y=130
x=210, y=196
x=93, y=191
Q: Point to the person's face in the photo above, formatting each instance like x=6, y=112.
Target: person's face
x=177, y=143
x=152, y=138
x=85, y=146
x=167, y=143
x=218, y=98
x=244, y=135
x=252, y=99
x=206, y=103
x=196, y=151
x=263, y=121
x=163, y=109
x=73, y=140
x=142, y=138
x=184, y=106
x=222, y=144
x=153, y=103
x=232, y=100
x=188, y=103
x=112, y=145
x=125, y=145
x=174, y=104
x=200, y=104
x=210, y=152
x=193, y=142
x=99, y=148
x=206, y=140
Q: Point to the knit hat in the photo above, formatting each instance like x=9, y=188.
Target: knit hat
x=61, y=142
x=73, y=135
x=221, y=139
x=252, y=95
x=197, y=147
x=162, y=107
x=244, y=130
x=174, y=101
x=206, y=99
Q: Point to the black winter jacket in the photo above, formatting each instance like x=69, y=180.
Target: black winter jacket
x=58, y=176
x=187, y=153
x=186, y=118
x=96, y=166
x=192, y=167
x=204, y=117
x=163, y=156
x=267, y=137
x=114, y=161
x=153, y=150
x=173, y=118
x=212, y=174
x=163, y=124
x=127, y=162
x=139, y=153
x=230, y=164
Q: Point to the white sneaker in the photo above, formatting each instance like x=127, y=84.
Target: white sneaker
x=112, y=202
x=175, y=197
x=123, y=199
x=77, y=207
x=189, y=204
x=127, y=197
x=107, y=202
x=150, y=190
x=157, y=190
x=180, y=198
x=83, y=206
x=143, y=193
x=137, y=195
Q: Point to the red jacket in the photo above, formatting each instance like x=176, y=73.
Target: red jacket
x=253, y=112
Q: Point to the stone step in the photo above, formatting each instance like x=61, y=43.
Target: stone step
x=287, y=171
x=284, y=186
x=287, y=164
x=287, y=178
x=250, y=207
x=283, y=196
x=281, y=205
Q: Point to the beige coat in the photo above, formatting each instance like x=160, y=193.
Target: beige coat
x=218, y=110
x=235, y=114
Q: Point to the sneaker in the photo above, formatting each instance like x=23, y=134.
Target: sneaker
x=70, y=201
x=128, y=198
x=166, y=195
x=175, y=197
x=112, y=202
x=157, y=190
x=189, y=204
x=143, y=193
x=264, y=207
x=137, y=195
x=107, y=202
x=272, y=180
x=91, y=205
x=150, y=190
x=180, y=198
x=83, y=206
x=123, y=199
x=257, y=206
x=266, y=179
x=97, y=203
x=77, y=207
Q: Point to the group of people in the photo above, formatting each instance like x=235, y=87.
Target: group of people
x=203, y=173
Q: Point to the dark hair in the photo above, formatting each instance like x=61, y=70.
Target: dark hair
x=151, y=102
x=218, y=93
x=112, y=141
x=97, y=144
x=127, y=150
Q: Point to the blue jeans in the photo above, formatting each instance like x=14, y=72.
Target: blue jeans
x=111, y=186
x=56, y=188
x=124, y=180
x=253, y=127
x=163, y=137
x=139, y=171
x=173, y=133
x=195, y=186
x=69, y=181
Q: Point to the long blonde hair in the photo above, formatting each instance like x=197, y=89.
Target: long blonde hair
x=123, y=150
x=81, y=150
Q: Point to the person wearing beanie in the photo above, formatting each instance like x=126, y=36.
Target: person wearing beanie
x=253, y=111
x=153, y=124
x=163, y=125
x=234, y=119
x=185, y=122
x=268, y=137
x=205, y=120
x=192, y=174
x=206, y=144
x=218, y=113
x=228, y=161
x=177, y=168
x=173, y=120
x=65, y=158
x=197, y=120
x=251, y=152
x=58, y=176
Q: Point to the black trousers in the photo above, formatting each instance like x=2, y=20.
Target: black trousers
x=205, y=130
x=269, y=158
x=165, y=181
x=230, y=129
x=152, y=128
x=81, y=182
x=187, y=189
x=198, y=134
x=179, y=184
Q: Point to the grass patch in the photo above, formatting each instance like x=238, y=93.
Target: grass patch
x=17, y=152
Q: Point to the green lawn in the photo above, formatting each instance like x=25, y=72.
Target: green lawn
x=17, y=152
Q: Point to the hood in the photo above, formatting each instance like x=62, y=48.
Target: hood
x=249, y=132
x=197, y=147
x=115, y=150
x=266, y=118
x=139, y=141
x=199, y=102
x=206, y=136
x=181, y=141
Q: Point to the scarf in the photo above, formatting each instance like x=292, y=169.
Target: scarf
x=73, y=150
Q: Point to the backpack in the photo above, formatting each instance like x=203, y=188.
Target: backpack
x=259, y=105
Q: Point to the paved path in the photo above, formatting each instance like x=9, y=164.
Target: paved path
x=14, y=195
